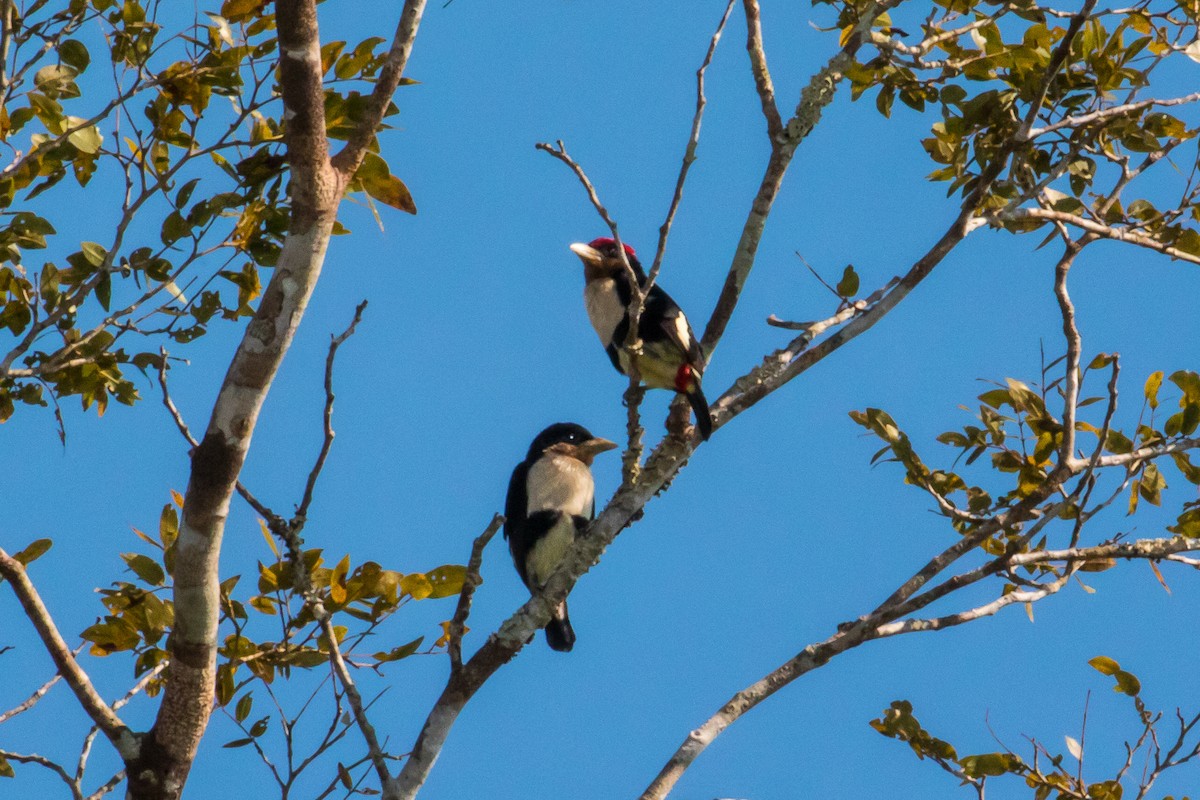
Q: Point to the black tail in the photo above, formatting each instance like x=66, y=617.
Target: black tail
x=559, y=633
x=700, y=407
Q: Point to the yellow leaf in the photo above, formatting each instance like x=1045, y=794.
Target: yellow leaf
x=417, y=585
x=1158, y=574
x=177, y=497
x=444, y=639
x=337, y=580
x=266, y=532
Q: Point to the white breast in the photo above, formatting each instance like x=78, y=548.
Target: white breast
x=604, y=307
x=560, y=483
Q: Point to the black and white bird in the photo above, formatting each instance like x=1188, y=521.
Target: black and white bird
x=671, y=356
x=551, y=498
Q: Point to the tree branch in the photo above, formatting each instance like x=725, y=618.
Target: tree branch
x=31, y=602
x=351, y=155
x=818, y=94
x=327, y=441
x=1092, y=226
x=472, y=581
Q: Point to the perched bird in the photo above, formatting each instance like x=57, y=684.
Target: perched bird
x=551, y=498
x=671, y=357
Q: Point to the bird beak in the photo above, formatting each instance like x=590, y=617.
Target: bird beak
x=588, y=254
x=592, y=447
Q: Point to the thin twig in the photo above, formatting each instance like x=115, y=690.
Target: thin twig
x=334, y=343
x=689, y=152
x=631, y=459
x=259, y=507
x=33, y=698
x=470, y=582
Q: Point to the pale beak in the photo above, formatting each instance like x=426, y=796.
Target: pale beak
x=592, y=447
x=587, y=253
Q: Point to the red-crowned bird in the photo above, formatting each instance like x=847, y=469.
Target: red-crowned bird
x=671, y=356
x=551, y=499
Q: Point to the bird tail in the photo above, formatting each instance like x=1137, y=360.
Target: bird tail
x=559, y=633
x=700, y=406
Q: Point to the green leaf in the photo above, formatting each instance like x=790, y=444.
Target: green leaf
x=446, y=580
x=1117, y=442
x=34, y=551
x=237, y=743
x=1104, y=665
x=1127, y=683
x=145, y=568
x=6, y=770
x=848, y=286
x=168, y=525
x=1189, y=382
x=397, y=653
x=990, y=765
x=377, y=181
x=1108, y=790
x=416, y=585
x=86, y=140
x=93, y=252
x=75, y=55
x=242, y=710
x=104, y=290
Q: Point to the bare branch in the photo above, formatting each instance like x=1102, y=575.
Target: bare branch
x=1103, y=114
x=689, y=153
x=470, y=583
x=122, y=738
x=1066, y=454
x=1092, y=226
x=390, y=75
x=42, y=761
x=327, y=442
x=818, y=94
x=29, y=702
x=762, y=75
x=631, y=459
x=186, y=432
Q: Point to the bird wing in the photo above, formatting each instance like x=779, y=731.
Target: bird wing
x=662, y=311
x=516, y=519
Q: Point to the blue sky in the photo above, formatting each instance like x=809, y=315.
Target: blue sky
x=777, y=530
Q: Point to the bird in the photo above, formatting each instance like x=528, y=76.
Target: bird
x=671, y=355
x=551, y=499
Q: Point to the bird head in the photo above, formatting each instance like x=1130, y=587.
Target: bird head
x=569, y=439
x=600, y=258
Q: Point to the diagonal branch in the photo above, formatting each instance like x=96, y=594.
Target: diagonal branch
x=873, y=627
x=32, y=700
x=458, y=624
x=1100, y=229
x=31, y=602
x=784, y=140
x=758, y=67
x=351, y=155
x=689, y=152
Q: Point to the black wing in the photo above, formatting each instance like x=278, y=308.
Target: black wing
x=515, y=519
x=663, y=318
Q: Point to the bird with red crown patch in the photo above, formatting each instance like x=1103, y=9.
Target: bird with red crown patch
x=671, y=356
